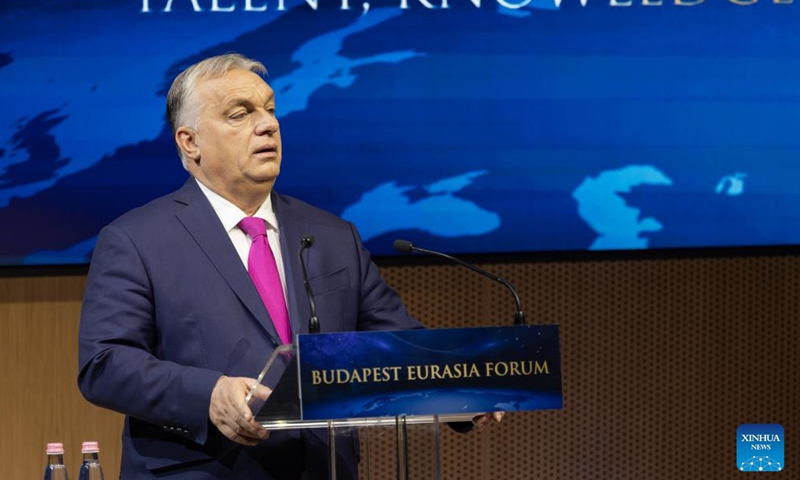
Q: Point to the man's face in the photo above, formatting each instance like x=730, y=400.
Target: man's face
x=237, y=142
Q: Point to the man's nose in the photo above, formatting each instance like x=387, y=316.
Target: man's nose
x=267, y=124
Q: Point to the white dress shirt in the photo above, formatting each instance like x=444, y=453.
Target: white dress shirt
x=230, y=215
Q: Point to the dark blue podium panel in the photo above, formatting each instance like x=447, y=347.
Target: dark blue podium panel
x=430, y=372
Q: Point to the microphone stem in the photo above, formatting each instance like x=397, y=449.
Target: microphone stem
x=519, y=316
x=313, y=324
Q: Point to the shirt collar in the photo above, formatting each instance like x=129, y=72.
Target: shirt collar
x=230, y=215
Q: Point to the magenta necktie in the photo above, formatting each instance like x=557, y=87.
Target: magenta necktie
x=264, y=272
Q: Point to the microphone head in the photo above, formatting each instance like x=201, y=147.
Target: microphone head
x=307, y=241
x=403, y=246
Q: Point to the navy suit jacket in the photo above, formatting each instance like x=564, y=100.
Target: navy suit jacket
x=169, y=308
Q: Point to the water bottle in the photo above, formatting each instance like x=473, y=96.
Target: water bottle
x=55, y=469
x=90, y=468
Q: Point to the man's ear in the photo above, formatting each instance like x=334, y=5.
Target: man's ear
x=186, y=139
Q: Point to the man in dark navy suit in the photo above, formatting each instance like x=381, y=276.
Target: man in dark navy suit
x=173, y=329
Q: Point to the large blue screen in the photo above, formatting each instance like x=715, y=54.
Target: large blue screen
x=463, y=125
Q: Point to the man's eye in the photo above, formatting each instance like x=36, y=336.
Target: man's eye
x=238, y=116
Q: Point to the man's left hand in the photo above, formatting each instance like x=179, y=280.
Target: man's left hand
x=487, y=418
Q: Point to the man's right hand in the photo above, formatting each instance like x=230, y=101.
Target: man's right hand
x=230, y=413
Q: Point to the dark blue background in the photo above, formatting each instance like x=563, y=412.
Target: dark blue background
x=540, y=99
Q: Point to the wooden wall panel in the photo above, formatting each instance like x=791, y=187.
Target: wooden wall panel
x=39, y=397
x=662, y=361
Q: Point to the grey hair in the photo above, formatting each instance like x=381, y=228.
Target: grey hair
x=181, y=111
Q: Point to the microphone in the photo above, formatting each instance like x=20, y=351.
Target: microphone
x=313, y=323
x=404, y=246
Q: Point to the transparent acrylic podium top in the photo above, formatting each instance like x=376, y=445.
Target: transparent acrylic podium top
x=282, y=409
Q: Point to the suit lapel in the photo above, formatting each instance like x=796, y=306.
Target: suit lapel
x=292, y=228
x=205, y=227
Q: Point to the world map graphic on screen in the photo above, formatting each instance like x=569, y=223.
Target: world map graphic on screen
x=466, y=126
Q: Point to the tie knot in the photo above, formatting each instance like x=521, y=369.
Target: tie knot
x=253, y=226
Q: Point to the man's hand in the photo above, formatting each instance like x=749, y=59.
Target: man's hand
x=487, y=418
x=230, y=413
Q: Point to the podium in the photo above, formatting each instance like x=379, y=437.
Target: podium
x=408, y=383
